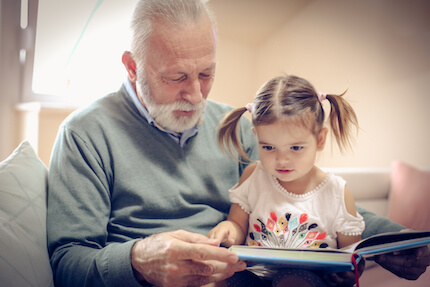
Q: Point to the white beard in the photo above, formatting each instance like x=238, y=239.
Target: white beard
x=163, y=114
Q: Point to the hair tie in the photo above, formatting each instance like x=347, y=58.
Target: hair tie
x=322, y=96
x=249, y=107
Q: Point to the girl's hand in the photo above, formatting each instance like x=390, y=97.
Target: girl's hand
x=224, y=232
x=234, y=229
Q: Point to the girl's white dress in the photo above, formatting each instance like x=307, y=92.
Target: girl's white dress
x=278, y=218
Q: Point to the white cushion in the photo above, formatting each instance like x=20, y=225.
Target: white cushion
x=24, y=257
x=366, y=183
x=370, y=187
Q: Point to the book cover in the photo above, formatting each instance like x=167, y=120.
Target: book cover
x=328, y=259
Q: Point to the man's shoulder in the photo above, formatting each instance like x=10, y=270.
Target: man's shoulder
x=216, y=111
x=218, y=107
x=99, y=111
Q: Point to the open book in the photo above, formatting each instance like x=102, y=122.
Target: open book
x=328, y=259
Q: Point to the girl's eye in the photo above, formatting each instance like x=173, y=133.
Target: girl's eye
x=268, y=147
x=296, y=148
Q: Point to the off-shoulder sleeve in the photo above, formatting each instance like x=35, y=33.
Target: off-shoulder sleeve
x=345, y=222
x=240, y=194
x=350, y=225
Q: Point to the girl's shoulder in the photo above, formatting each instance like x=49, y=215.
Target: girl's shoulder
x=249, y=170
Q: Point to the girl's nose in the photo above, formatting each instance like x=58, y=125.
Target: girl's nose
x=282, y=157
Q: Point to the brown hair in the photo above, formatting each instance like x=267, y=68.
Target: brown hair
x=294, y=98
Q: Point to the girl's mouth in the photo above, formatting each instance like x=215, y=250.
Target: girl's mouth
x=284, y=171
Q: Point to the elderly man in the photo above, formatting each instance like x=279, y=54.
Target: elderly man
x=137, y=178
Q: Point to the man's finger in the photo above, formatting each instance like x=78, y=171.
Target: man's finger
x=202, y=252
x=191, y=237
x=197, y=273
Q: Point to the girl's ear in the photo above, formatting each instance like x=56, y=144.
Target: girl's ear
x=322, y=136
x=254, y=131
x=130, y=65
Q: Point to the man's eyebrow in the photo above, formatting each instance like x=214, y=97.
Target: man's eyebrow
x=175, y=71
x=211, y=67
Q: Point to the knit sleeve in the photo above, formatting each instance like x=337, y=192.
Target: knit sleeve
x=78, y=214
x=376, y=224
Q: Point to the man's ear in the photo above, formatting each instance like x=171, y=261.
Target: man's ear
x=321, y=139
x=130, y=65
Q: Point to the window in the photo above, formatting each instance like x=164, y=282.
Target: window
x=78, y=49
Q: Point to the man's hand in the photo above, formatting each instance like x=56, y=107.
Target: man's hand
x=344, y=278
x=408, y=264
x=181, y=258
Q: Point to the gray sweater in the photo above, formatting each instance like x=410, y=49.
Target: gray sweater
x=114, y=178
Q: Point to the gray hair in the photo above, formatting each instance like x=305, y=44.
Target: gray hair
x=176, y=12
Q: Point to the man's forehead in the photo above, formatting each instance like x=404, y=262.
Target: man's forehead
x=194, y=40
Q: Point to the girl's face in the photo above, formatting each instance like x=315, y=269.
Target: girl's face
x=288, y=150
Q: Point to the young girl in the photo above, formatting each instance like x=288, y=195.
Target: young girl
x=284, y=200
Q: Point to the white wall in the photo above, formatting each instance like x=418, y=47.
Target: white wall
x=236, y=80
x=380, y=49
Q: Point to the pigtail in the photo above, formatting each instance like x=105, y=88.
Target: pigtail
x=227, y=133
x=342, y=120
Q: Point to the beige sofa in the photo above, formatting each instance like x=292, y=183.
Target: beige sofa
x=23, y=186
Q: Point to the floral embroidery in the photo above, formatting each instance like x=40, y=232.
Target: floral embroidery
x=289, y=231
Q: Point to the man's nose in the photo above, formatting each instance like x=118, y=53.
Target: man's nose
x=193, y=93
